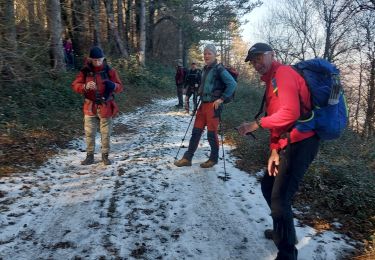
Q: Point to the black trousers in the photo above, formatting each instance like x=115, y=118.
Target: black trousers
x=280, y=190
x=180, y=91
x=191, y=90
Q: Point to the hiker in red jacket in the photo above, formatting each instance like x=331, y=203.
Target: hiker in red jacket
x=286, y=99
x=97, y=82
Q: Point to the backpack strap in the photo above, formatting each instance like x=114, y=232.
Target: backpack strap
x=302, y=105
x=261, y=108
x=219, y=69
x=104, y=74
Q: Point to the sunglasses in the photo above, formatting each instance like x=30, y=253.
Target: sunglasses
x=258, y=57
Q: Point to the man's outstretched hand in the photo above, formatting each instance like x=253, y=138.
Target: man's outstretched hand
x=247, y=128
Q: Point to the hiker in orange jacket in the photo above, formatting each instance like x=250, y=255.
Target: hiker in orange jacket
x=97, y=82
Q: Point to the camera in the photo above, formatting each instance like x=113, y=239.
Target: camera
x=99, y=99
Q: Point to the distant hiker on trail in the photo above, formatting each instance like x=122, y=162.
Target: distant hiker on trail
x=192, y=81
x=98, y=82
x=286, y=98
x=180, y=79
x=68, y=53
x=216, y=87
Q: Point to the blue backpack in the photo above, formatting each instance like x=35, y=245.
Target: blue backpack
x=329, y=115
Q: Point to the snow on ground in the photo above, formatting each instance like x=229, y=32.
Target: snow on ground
x=142, y=206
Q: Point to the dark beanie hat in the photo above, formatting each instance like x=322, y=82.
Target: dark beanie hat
x=96, y=53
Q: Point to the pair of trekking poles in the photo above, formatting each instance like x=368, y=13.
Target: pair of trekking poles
x=226, y=176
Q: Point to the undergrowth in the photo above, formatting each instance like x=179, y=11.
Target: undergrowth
x=339, y=185
x=43, y=113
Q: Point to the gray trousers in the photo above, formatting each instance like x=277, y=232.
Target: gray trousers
x=105, y=126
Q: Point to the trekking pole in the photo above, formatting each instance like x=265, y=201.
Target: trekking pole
x=226, y=176
x=191, y=119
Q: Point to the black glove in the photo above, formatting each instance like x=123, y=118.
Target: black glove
x=109, y=87
x=217, y=112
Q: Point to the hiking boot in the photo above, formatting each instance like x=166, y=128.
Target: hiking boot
x=178, y=106
x=208, y=164
x=182, y=162
x=268, y=234
x=105, y=159
x=89, y=159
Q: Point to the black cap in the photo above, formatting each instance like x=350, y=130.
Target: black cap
x=96, y=53
x=257, y=48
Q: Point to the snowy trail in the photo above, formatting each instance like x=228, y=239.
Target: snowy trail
x=142, y=206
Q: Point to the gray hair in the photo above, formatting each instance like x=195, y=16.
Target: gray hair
x=211, y=48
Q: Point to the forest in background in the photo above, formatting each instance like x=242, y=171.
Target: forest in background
x=144, y=39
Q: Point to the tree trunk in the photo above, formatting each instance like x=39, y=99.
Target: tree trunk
x=358, y=103
x=128, y=25
x=66, y=17
x=8, y=25
x=133, y=25
x=111, y=22
x=370, y=118
x=96, y=22
x=40, y=10
x=180, y=44
x=55, y=30
x=120, y=18
x=142, y=34
x=150, y=29
x=78, y=23
x=31, y=13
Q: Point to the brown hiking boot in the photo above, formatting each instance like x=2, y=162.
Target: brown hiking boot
x=208, y=164
x=105, y=159
x=89, y=159
x=182, y=162
x=268, y=233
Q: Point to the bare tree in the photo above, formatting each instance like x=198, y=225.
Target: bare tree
x=120, y=18
x=8, y=24
x=368, y=26
x=78, y=26
x=338, y=24
x=55, y=30
x=150, y=28
x=111, y=22
x=31, y=13
x=364, y=5
x=96, y=22
x=142, y=40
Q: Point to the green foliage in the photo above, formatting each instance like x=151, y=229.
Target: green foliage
x=143, y=83
x=344, y=173
x=44, y=103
